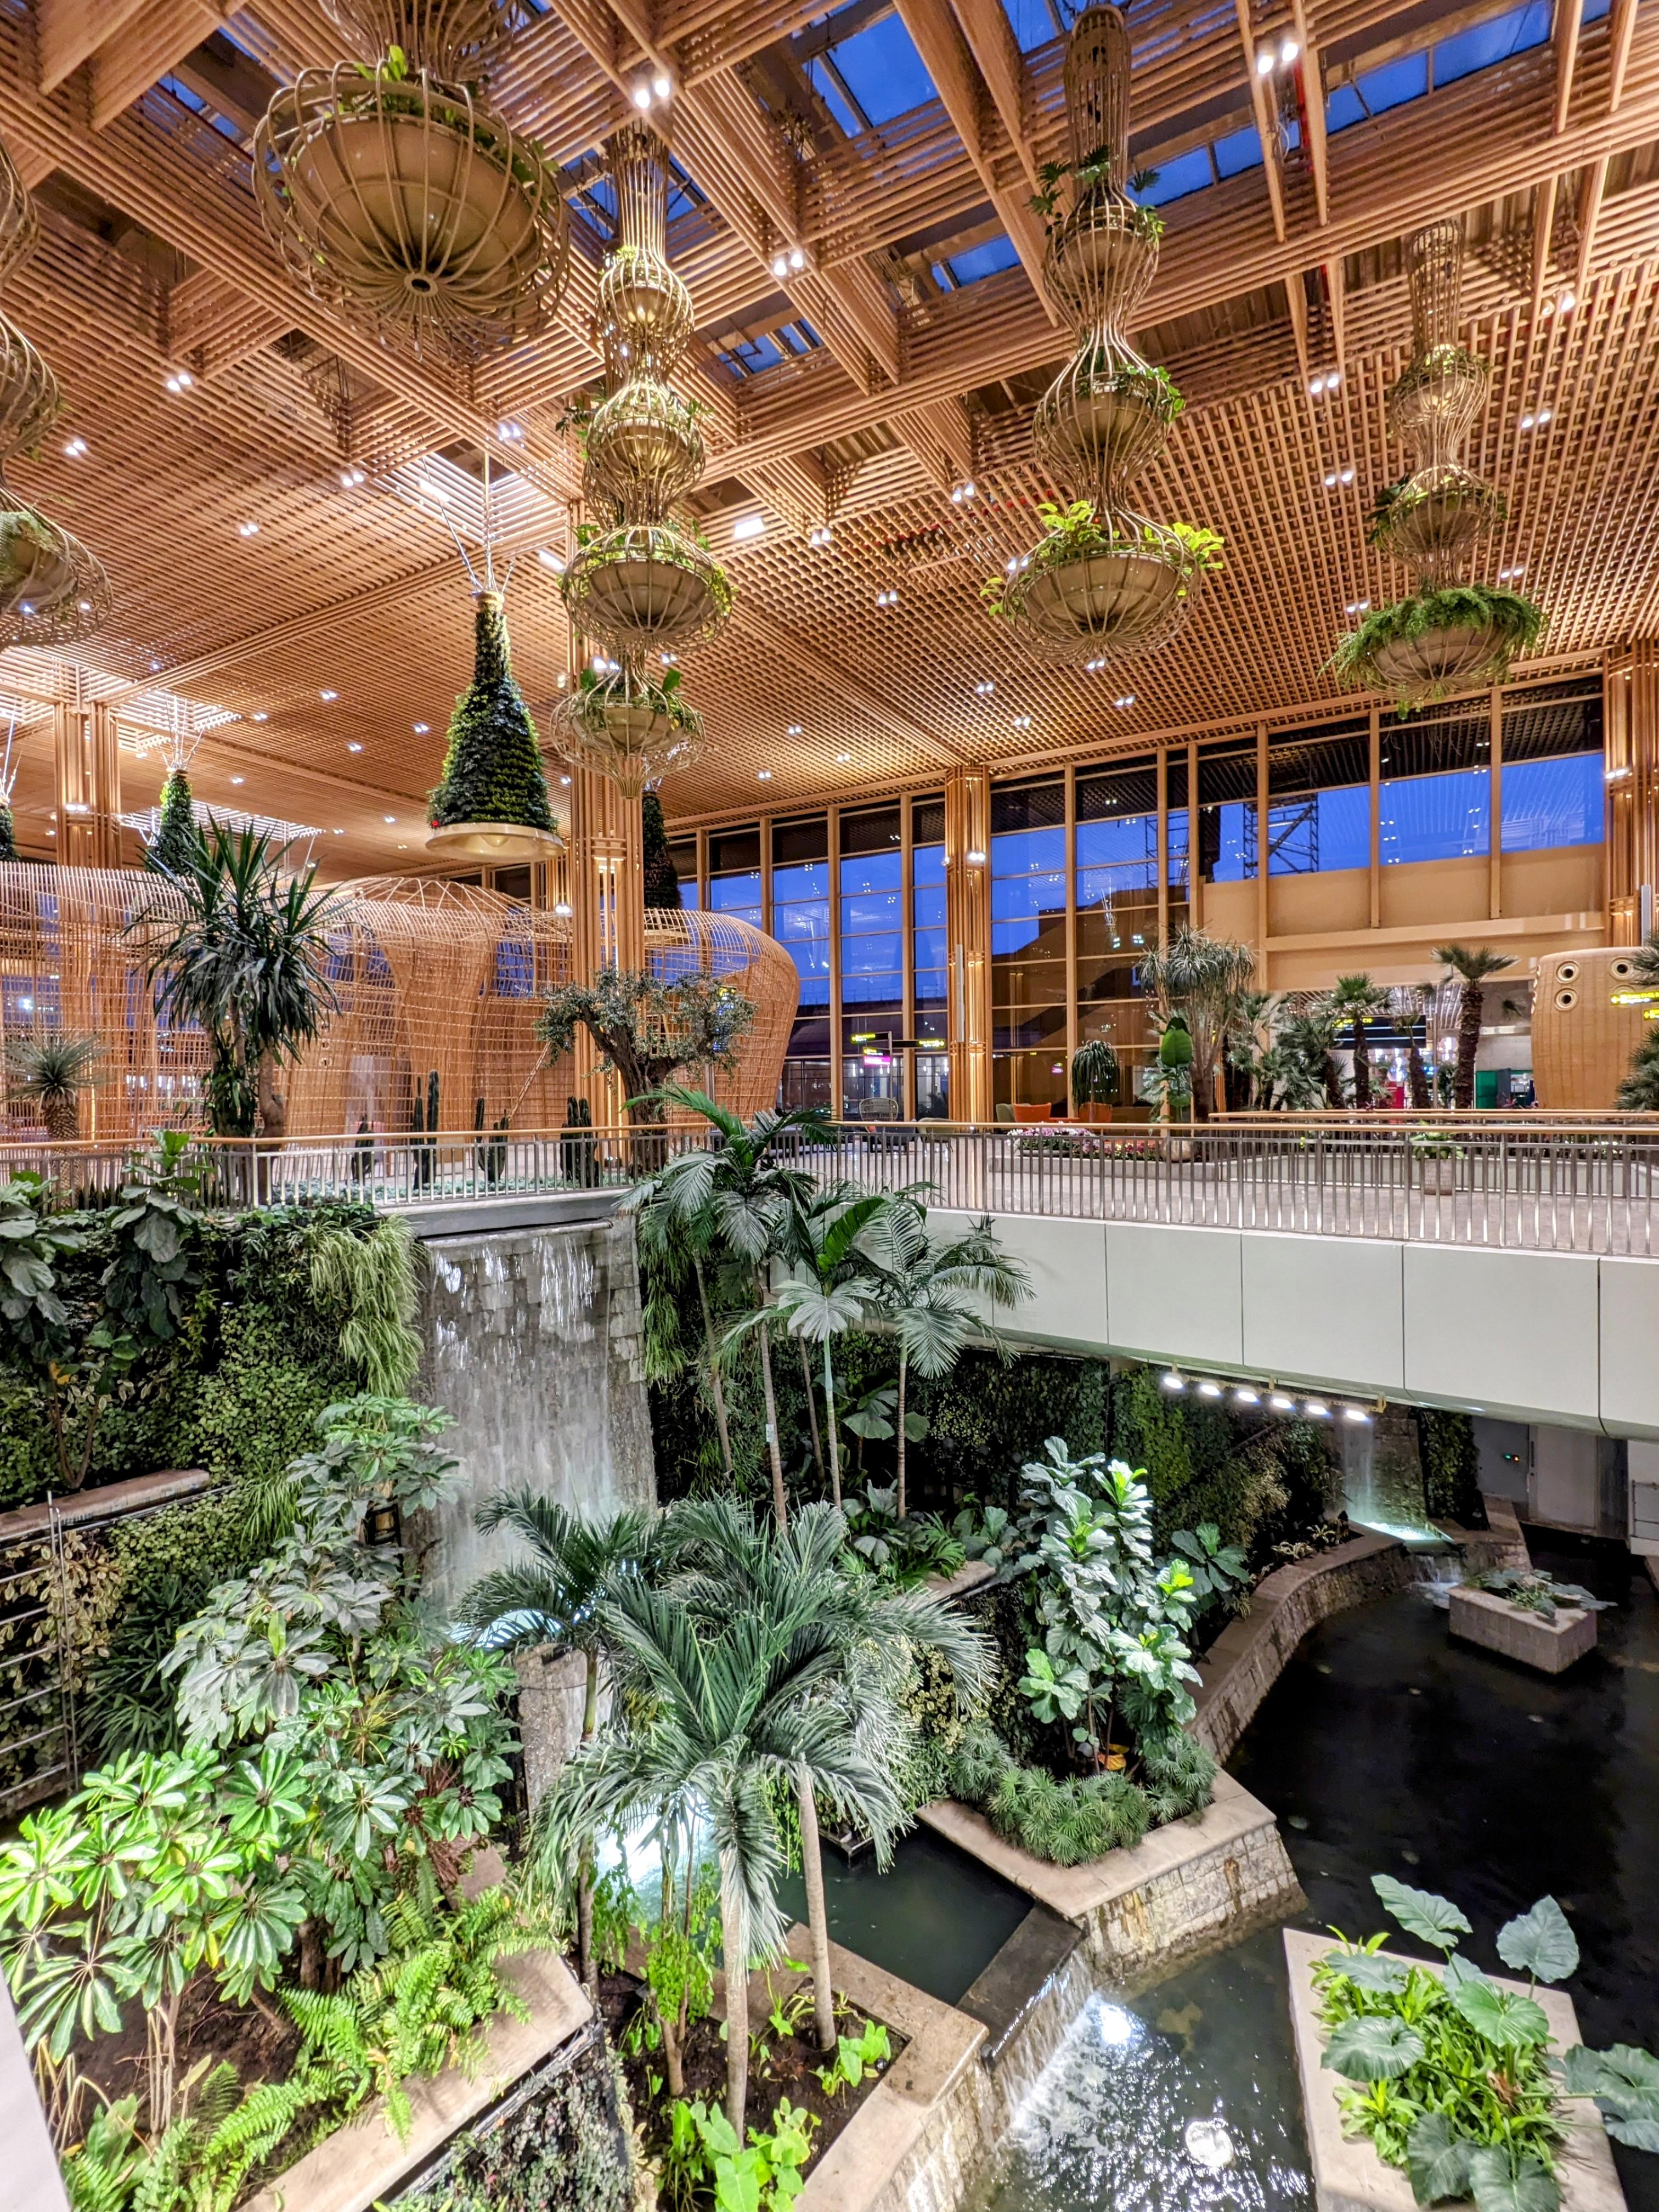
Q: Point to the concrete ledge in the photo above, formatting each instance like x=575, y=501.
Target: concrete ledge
x=1185, y=1889
x=1003, y=1997
x=135, y=1495
x=363, y=2162
x=1350, y=2177
x=929, y=2089
x=471, y=1217
x=1551, y=1646
x=1508, y=1544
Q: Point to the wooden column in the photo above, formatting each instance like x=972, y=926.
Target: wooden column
x=1072, y=1024
x=967, y=937
x=1631, y=695
x=1195, y=870
x=72, y=754
x=1261, y=875
x=1495, y=810
x=1376, y=816
x=837, y=1074
x=105, y=759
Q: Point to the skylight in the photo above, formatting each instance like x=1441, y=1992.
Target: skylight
x=1378, y=91
x=975, y=262
x=1483, y=45
x=1033, y=22
x=872, y=77
x=750, y=356
x=1202, y=166
x=1465, y=53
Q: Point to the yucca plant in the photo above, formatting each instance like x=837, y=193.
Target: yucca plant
x=53, y=1071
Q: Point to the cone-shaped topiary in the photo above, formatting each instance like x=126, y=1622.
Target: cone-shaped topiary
x=493, y=770
x=662, y=881
x=177, y=841
x=9, y=835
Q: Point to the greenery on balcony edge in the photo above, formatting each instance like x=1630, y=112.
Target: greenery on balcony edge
x=493, y=768
x=1517, y=625
x=1075, y=533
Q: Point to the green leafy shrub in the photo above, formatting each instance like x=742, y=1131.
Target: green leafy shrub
x=1082, y=1817
x=565, y=2148
x=1451, y=1466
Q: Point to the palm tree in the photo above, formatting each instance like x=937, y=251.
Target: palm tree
x=735, y=1200
x=934, y=1296
x=1300, y=1068
x=737, y=1562
x=1412, y=1003
x=837, y=1290
x=1248, y=1018
x=1472, y=965
x=53, y=1071
x=246, y=962
x=1199, y=977
x=1357, y=999
x=551, y=1596
x=733, y=1708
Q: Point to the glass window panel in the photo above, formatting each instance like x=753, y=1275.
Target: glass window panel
x=1027, y=806
x=739, y=895
x=1484, y=44
x=1321, y=832
x=1238, y=151
x=1436, y=818
x=874, y=832
x=881, y=68
x=986, y=260
x=1553, y=802
x=1032, y=22
x=823, y=82
x=800, y=923
x=731, y=850
x=1186, y=172
x=1116, y=856
x=929, y=949
x=1378, y=91
x=1551, y=720
x=801, y=840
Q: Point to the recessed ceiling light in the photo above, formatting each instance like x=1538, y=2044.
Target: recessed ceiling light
x=510, y=434
x=821, y=536
x=794, y=731
x=1264, y=62
x=565, y=779
x=247, y=530
x=642, y=97
x=388, y=818
x=763, y=776
x=1022, y=721
x=749, y=525
x=328, y=694
x=74, y=447
x=155, y=667
x=180, y=381
x=1127, y=699
x=260, y=717
x=238, y=779
x=670, y=660
x=421, y=728
x=843, y=758
x=661, y=86
x=561, y=908
x=339, y=833
x=354, y=745
x=984, y=691
x=1288, y=52
x=351, y=477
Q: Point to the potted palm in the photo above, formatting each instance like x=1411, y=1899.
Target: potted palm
x=1095, y=1076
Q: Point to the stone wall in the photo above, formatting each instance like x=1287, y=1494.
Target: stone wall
x=534, y=1344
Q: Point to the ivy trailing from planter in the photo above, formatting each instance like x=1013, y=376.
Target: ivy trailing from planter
x=1516, y=622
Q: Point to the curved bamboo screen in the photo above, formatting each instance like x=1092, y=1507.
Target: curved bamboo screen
x=433, y=977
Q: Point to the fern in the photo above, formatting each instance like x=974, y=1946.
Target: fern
x=373, y=1279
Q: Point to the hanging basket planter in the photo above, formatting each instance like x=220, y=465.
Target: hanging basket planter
x=1112, y=583
x=52, y=590
x=1103, y=427
x=645, y=584
x=1438, y=397
x=452, y=38
x=1102, y=259
x=492, y=803
x=644, y=449
x=29, y=397
x=1434, y=520
x=634, y=733
x=1458, y=638
x=645, y=313
x=412, y=202
x=20, y=225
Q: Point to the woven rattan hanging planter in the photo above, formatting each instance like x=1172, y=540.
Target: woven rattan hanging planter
x=630, y=729
x=1451, y=634
x=645, y=584
x=29, y=397
x=1104, y=579
x=407, y=200
x=492, y=803
x=451, y=38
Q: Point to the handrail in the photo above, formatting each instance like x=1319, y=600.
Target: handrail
x=1514, y=1180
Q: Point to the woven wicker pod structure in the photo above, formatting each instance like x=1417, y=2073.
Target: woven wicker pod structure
x=52, y=591
x=632, y=731
x=407, y=200
x=1111, y=582
x=29, y=397
x=20, y=225
x=431, y=975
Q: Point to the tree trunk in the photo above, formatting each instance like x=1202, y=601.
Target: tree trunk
x=1417, y=1077
x=1362, y=1065
x=1334, y=1082
x=715, y=1384
x=273, y=1103
x=780, y=1502
x=829, y=1423
x=736, y=2003
x=587, y=1971
x=1468, y=1043
x=62, y=1118
x=811, y=1407
x=817, y=1918
x=904, y=1376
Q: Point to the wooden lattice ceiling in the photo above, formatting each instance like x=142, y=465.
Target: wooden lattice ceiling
x=132, y=121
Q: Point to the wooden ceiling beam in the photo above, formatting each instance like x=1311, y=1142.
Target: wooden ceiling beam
x=1621, y=33
x=144, y=49
x=938, y=37
x=1313, y=111
x=1564, y=40
x=1264, y=119
x=1543, y=224
x=68, y=32
x=1590, y=192
x=996, y=53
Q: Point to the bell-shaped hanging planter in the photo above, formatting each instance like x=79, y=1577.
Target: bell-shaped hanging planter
x=29, y=397
x=411, y=200
x=1459, y=638
x=630, y=729
x=1434, y=519
x=492, y=803
x=52, y=591
x=645, y=584
x=1106, y=582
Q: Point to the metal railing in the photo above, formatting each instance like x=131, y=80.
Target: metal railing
x=1512, y=1180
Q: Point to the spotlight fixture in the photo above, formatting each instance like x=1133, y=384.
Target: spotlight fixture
x=1280, y=1403
x=1315, y=1409
x=963, y=491
x=260, y=717
x=798, y=257
x=1535, y=422
x=749, y=525
x=1510, y=575
x=1022, y=721
x=780, y=266
x=1355, y=1413
x=238, y=779
x=353, y=746
x=984, y=691
x=642, y=97
x=1094, y=668
x=670, y=660
x=842, y=758
x=389, y=819
x=1209, y=1390
x=661, y=86
x=1127, y=701
x=1243, y=1397
x=763, y=776
x=1171, y=1381
x=1319, y=387
x=510, y=434
x=181, y=379
x=975, y=860
x=247, y=530
x=421, y=728
x=561, y=908
x=795, y=729
x=1357, y=607
x=1264, y=62
x=886, y=599
x=351, y=478
x=74, y=447
x=821, y=536
x=1287, y=53
x=328, y=694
